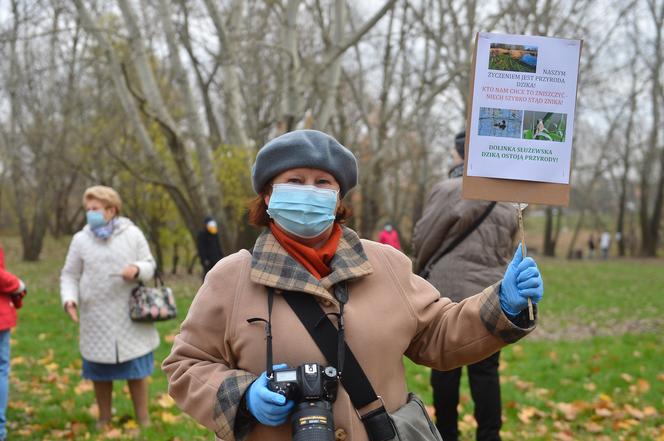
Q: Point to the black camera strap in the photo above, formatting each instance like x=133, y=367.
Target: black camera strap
x=268, y=330
x=377, y=422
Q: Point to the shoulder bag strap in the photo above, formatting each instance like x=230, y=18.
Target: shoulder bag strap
x=436, y=257
x=354, y=380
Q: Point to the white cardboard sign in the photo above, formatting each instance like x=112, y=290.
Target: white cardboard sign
x=522, y=115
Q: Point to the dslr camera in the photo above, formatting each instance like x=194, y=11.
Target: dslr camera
x=313, y=388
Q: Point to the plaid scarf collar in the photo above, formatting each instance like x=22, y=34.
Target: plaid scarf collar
x=272, y=266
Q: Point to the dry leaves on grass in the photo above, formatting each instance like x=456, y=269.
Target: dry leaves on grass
x=165, y=401
x=169, y=418
x=599, y=416
x=83, y=387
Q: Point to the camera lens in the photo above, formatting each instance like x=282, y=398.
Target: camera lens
x=313, y=421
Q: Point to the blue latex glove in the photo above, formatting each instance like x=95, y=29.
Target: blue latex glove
x=269, y=408
x=522, y=280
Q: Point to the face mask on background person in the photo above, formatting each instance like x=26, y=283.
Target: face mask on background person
x=95, y=218
x=212, y=227
x=305, y=211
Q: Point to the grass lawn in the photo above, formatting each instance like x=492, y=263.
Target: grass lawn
x=506, y=62
x=594, y=369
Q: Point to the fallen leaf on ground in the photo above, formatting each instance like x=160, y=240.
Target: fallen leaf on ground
x=650, y=411
x=642, y=385
x=529, y=412
x=634, y=412
x=112, y=434
x=129, y=425
x=590, y=387
x=624, y=424
x=603, y=412
x=165, y=401
x=82, y=387
x=593, y=427
x=169, y=418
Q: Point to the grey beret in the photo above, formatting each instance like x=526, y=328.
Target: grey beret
x=305, y=148
x=460, y=144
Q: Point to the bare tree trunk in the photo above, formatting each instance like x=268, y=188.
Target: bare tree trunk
x=332, y=63
x=622, y=199
x=334, y=71
x=191, y=212
x=292, y=95
x=205, y=161
x=176, y=258
x=226, y=58
x=31, y=206
x=549, y=242
x=597, y=173
x=650, y=222
x=203, y=84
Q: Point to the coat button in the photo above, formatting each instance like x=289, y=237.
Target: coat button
x=340, y=435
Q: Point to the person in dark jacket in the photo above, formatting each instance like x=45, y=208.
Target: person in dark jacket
x=209, y=248
x=477, y=260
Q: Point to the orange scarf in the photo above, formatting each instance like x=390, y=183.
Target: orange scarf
x=316, y=261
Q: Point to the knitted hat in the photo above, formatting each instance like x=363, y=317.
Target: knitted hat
x=460, y=144
x=304, y=148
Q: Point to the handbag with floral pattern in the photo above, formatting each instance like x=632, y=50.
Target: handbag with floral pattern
x=152, y=304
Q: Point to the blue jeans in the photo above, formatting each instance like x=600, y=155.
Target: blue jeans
x=4, y=380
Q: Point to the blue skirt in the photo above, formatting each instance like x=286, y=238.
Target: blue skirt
x=133, y=369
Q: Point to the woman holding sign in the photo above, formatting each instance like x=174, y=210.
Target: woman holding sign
x=309, y=274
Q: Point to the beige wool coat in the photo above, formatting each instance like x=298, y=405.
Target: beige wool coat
x=390, y=313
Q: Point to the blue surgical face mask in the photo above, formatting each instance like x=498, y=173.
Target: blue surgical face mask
x=95, y=218
x=302, y=210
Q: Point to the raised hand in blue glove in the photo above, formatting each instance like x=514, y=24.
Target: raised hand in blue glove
x=269, y=408
x=522, y=280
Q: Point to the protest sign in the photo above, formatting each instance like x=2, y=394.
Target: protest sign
x=521, y=118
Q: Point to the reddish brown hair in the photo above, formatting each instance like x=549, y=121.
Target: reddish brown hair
x=259, y=218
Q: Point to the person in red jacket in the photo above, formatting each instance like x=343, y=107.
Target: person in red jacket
x=12, y=291
x=389, y=236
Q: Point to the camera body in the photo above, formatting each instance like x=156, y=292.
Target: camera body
x=314, y=389
x=307, y=382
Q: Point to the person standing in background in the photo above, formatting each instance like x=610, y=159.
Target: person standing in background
x=605, y=244
x=464, y=245
x=207, y=243
x=389, y=236
x=591, y=246
x=105, y=262
x=12, y=291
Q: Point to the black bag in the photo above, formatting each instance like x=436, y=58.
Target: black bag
x=152, y=304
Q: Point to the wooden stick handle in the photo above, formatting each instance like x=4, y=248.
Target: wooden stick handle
x=531, y=314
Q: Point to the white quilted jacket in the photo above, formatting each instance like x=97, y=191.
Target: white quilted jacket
x=91, y=278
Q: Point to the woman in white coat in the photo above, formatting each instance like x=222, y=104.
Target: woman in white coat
x=106, y=259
